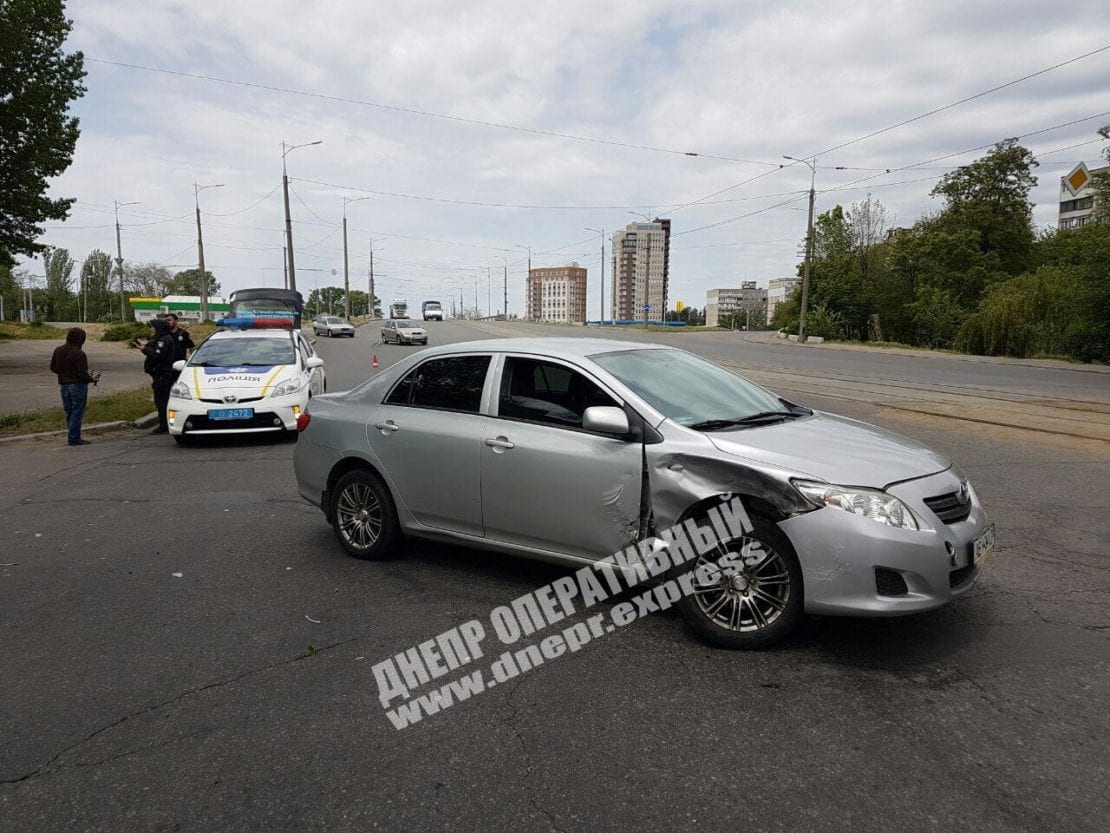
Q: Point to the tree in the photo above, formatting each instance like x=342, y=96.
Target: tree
x=37, y=135
x=359, y=302
x=326, y=299
x=991, y=197
x=187, y=282
x=147, y=280
x=1101, y=183
x=58, y=267
x=96, y=286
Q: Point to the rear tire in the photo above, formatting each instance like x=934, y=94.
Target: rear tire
x=364, y=516
x=748, y=592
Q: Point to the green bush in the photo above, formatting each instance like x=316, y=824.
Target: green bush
x=126, y=332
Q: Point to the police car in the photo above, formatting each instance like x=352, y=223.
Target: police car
x=245, y=381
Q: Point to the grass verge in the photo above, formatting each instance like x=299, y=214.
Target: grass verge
x=123, y=405
x=17, y=330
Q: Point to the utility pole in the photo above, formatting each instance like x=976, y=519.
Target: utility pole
x=284, y=267
x=346, y=276
x=372, y=297
x=489, y=293
x=506, y=288
x=809, y=249
x=285, y=151
x=200, y=252
x=119, y=263
x=601, y=314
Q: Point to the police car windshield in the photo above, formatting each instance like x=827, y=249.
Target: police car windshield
x=244, y=352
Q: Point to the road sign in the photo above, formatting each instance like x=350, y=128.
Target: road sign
x=647, y=307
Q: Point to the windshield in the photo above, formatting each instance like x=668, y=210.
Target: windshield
x=333, y=320
x=407, y=325
x=243, y=352
x=687, y=389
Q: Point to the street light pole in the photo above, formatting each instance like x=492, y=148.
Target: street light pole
x=346, y=276
x=119, y=262
x=601, y=315
x=285, y=151
x=528, y=312
x=200, y=252
x=809, y=249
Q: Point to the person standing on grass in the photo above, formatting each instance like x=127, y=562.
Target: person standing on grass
x=159, y=364
x=182, y=341
x=71, y=365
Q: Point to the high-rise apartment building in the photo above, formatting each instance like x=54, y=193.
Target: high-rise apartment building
x=557, y=294
x=641, y=270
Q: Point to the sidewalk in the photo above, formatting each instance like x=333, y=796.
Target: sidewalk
x=26, y=383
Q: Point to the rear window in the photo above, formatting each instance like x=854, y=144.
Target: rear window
x=451, y=384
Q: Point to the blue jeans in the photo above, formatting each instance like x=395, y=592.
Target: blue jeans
x=74, y=399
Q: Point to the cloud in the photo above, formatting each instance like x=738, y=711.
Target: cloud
x=751, y=81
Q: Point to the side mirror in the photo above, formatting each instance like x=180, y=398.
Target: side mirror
x=605, y=419
x=314, y=362
x=179, y=365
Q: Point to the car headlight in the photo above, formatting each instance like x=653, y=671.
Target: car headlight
x=873, y=504
x=180, y=391
x=287, y=387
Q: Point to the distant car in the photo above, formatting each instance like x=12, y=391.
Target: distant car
x=569, y=450
x=403, y=331
x=245, y=382
x=331, y=326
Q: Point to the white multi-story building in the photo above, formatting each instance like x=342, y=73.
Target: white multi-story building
x=779, y=290
x=1077, y=196
x=557, y=294
x=721, y=303
x=641, y=267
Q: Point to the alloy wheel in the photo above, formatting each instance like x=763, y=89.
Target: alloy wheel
x=360, y=516
x=742, y=585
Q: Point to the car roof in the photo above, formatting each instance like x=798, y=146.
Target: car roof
x=276, y=332
x=565, y=348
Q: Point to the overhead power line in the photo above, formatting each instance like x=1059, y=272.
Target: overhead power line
x=413, y=111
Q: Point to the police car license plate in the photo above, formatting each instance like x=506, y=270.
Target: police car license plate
x=981, y=546
x=231, y=413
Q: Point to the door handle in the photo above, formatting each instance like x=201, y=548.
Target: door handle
x=387, y=427
x=501, y=443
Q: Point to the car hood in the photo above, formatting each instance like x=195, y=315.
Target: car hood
x=248, y=380
x=834, y=449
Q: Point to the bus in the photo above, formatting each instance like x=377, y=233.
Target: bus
x=266, y=303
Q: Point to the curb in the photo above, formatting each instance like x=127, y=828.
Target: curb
x=98, y=428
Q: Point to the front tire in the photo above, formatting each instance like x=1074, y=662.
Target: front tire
x=748, y=592
x=364, y=516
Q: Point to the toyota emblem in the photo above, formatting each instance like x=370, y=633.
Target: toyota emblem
x=231, y=397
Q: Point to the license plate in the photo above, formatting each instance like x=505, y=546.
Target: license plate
x=231, y=413
x=982, y=546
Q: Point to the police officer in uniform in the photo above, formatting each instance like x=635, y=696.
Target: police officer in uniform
x=159, y=364
x=182, y=342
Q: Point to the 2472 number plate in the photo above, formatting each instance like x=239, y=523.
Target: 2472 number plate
x=231, y=413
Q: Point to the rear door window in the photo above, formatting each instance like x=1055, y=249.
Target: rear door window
x=448, y=384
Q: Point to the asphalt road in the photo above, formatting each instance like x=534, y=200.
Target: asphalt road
x=134, y=698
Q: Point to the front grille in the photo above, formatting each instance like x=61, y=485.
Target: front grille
x=259, y=420
x=949, y=508
x=889, y=582
x=960, y=577
x=236, y=403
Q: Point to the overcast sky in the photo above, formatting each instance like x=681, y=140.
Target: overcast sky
x=741, y=80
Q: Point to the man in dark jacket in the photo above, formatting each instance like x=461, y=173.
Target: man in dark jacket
x=71, y=365
x=159, y=364
x=182, y=341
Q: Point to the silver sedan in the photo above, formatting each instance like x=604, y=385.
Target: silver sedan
x=568, y=450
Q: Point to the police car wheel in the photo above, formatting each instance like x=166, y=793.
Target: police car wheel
x=363, y=515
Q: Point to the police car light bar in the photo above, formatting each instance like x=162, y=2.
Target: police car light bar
x=252, y=323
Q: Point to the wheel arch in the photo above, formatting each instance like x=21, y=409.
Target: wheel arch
x=340, y=470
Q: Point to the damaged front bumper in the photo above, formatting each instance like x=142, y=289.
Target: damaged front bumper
x=852, y=566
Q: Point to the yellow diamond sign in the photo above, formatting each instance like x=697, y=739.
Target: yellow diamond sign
x=1078, y=178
